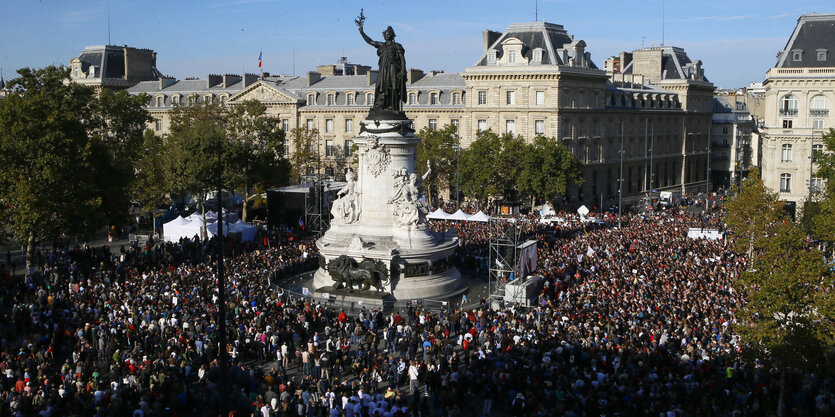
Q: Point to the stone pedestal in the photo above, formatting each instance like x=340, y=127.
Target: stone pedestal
x=378, y=218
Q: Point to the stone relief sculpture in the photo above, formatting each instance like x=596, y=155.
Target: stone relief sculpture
x=407, y=210
x=347, y=207
x=377, y=157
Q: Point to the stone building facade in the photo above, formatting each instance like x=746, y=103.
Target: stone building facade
x=731, y=150
x=799, y=91
x=533, y=79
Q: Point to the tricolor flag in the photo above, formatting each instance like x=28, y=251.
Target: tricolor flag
x=259, y=58
x=590, y=252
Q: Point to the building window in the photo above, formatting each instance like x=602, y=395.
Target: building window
x=223, y=99
x=788, y=105
x=724, y=130
x=76, y=72
x=369, y=99
x=158, y=124
x=482, y=124
x=412, y=98
x=349, y=125
x=328, y=125
x=787, y=124
x=539, y=127
x=491, y=57
x=433, y=124
x=433, y=98
x=821, y=53
x=455, y=124
x=511, y=57
x=329, y=148
x=482, y=98
x=540, y=98
x=510, y=126
x=817, y=185
x=175, y=100
x=817, y=124
x=350, y=99
x=160, y=101
x=309, y=124
x=456, y=98
x=329, y=172
x=817, y=149
x=209, y=99
x=785, y=183
x=311, y=99
x=797, y=55
x=819, y=106
x=285, y=125
x=192, y=100
x=349, y=145
x=537, y=55
x=786, y=153
x=310, y=170
x=511, y=98
x=331, y=99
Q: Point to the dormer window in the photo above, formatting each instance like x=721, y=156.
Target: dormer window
x=350, y=99
x=369, y=99
x=511, y=57
x=797, y=55
x=491, y=57
x=433, y=98
x=537, y=56
x=208, y=99
x=331, y=99
x=821, y=54
x=456, y=98
x=76, y=72
x=412, y=98
x=160, y=101
x=175, y=100
x=311, y=99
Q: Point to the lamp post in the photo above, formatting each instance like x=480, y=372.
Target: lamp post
x=620, y=178
x=221, y=284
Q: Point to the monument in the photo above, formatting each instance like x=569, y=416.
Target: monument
x=379, y=247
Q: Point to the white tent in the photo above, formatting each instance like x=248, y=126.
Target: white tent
x=180, y=227
x=479, y=217
x=246, y=230
x=459, y=215
x=438, y=214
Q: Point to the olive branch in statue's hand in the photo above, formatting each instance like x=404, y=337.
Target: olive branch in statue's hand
x=360, y=20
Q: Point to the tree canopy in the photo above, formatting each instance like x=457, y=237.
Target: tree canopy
x=548, y=168
x=438, y=148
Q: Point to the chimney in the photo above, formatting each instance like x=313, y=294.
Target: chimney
x=698, y=70
x=579, y=48
x=165, y=82
x=313, y=77
x=361, y=69
x=413, y=75
x=213, y=80
x=230, y=80
x=327, y=70
x=371, y=77
x=490, y=38
x=250, y=79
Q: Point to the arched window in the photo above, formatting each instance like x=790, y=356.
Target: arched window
x=412, y=98
x=819, y=106
x=788, y=105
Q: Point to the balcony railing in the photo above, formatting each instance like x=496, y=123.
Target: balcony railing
x=819, y=113
x=788, y=112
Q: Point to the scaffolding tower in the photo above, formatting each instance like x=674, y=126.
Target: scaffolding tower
x=315, y=218
x=503, y=260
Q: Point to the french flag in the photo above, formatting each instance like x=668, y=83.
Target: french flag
x=259, y=58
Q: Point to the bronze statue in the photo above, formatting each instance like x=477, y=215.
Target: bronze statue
x=368, y=273
x=390, y=90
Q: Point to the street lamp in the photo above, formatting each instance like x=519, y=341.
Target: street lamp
x=620, y=178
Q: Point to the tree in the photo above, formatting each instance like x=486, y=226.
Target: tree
x=823, y=218
x=491, y=165
x=790, y=304
x=305, y=156
x=60, y=147
x=751, y=211
x=198, y=135
x=548, y=168
x=152, y=184
x=258, y=148
x=438, y=148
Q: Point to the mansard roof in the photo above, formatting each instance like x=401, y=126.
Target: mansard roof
x=813, y=32
x=675, y=64
x=551, y=38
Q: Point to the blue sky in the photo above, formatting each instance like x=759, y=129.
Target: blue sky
x=736, y=40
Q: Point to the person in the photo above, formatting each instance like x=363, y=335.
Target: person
x=347, y=207
x=390, y=90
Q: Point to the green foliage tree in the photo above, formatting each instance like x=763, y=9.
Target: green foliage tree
x=62, y=148
x=491, y=165
x=789, y=311
x=257, y=143
x=198, y=135
x=548, y=168
x=151, y=185
x=823, y=218
x=438, y=148
x=305, y=155
x=751, y=211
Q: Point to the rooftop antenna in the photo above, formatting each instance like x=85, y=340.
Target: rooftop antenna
x=536, y=11
x=643, y=38
x=662, y=22
x=294, y=60
x=108, y=22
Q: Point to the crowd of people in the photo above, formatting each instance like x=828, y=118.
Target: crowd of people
x=637, y=320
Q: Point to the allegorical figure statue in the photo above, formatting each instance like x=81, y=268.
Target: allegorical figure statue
x=390, y=91
x=347, y=206
x=407, y=210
